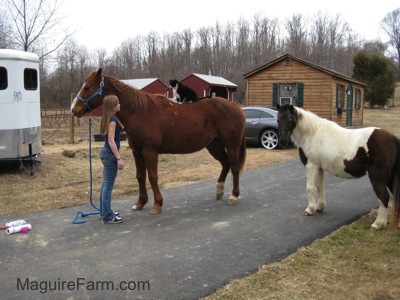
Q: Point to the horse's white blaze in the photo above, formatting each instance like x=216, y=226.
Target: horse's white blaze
x=73, y=103
x=335, y=143
x=76, y=99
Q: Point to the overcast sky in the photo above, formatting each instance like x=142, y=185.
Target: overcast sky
x=107, y=23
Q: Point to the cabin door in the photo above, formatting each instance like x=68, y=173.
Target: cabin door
x=349, y=115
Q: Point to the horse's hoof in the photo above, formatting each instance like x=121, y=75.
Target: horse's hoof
x=307, y=213
x=219, y=196
x=377, y=226
x=155, y=211
x=135, y=207
x=232, y=200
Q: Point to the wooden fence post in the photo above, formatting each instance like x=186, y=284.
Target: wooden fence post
x=72, y=122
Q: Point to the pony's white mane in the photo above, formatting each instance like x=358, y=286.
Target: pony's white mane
x=308, y=122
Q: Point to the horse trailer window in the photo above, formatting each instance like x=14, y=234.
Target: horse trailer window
x=3, y=78
x=30, y=79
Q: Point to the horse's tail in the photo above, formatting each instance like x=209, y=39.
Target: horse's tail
x=396, y=190
x=242, y=153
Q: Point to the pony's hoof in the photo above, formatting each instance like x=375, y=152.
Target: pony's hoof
x=155, y=211
x=219, y=196
x=307, y=213
x=377, y=226
x=135, y=207
x=232, y=200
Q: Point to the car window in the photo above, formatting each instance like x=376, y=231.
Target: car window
x=266, y=115
x=252, y=114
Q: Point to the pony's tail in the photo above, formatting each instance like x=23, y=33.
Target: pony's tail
x=396, y=190
x=242, y=154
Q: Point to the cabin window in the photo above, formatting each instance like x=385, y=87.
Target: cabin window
x=30, y=79
x=3, y=78
x=340, y=96
x=357, y=104
x=287, y=92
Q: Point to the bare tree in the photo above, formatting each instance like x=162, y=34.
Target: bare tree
x=5, y=32
x=203, y=51
x=391, y=25
x=296, y=43
x=242, y=44
x=152, y=41
x=36, y=20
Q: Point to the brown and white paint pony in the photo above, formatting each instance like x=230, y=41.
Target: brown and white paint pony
x=347, y=153
x=154, y=125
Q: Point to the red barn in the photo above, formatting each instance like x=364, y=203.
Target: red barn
x=148, y=85
x=208, y=85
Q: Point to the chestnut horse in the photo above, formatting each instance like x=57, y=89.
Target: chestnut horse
x=154, y=125
x=347, y=153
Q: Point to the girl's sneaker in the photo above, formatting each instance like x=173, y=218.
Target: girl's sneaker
x=115, y=213
x=116, y=220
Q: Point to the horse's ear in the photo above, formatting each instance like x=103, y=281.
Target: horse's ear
x=278, y=107
x=291, y=108
x=99, y=71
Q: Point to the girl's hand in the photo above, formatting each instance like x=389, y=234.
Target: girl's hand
x=121, y=164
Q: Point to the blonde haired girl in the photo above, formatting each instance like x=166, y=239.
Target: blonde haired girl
x=110, y=128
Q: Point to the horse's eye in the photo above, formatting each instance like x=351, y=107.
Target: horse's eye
x=85, y=88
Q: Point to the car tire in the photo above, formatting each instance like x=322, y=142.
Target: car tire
x=269, y=139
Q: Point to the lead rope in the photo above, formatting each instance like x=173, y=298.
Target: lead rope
x=84, y=215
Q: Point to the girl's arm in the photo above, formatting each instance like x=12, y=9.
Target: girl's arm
x=113, y=146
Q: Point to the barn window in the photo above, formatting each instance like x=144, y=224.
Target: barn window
x=30, y=79
x=288, y=62
x=357, y=104
x=3, y=78
x=340, y=96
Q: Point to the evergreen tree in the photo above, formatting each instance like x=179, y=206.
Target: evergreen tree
x=379, y=75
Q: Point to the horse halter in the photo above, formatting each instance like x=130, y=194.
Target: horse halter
x=98, y=92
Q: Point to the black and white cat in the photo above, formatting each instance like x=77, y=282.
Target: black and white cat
x=182, y=93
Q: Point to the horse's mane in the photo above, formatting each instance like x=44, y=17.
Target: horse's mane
x=308, y=121
x=135, y=100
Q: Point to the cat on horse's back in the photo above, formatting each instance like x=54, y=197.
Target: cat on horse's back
x=182, y=93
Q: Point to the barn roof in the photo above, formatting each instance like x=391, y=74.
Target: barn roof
x=215, y=80
x=286, y=56
x=139, y=83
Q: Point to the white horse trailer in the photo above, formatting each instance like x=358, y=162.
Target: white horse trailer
x=20, y=124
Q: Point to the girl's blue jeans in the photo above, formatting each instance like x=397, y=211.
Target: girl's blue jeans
x=110, y=169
